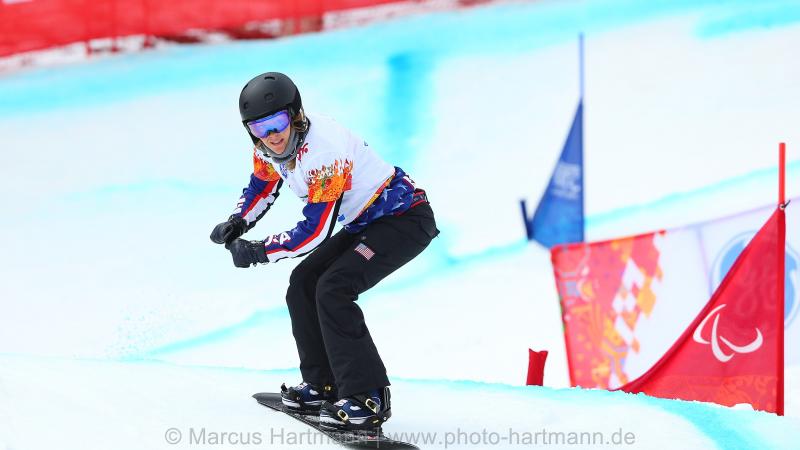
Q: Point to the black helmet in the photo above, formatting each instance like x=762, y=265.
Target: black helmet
x=267, y=94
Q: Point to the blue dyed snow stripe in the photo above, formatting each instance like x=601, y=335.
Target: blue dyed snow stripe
x=760, y=16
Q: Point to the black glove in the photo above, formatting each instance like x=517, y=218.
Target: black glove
x=246, y=253
x=226, y=232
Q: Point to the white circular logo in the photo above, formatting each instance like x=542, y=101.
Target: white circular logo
x=733, y=248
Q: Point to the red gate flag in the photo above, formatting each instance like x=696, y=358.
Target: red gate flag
x=733, y=350
x=536, y=362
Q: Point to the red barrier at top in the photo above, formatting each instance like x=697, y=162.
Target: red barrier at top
x=27, y=25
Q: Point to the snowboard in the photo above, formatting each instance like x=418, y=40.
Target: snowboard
x=349, y=439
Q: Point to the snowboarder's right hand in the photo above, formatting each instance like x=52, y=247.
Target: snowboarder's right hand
x=226, y=232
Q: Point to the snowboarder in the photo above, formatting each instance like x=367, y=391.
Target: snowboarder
x=386, y=221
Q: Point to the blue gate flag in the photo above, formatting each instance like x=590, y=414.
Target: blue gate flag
x=559, y=217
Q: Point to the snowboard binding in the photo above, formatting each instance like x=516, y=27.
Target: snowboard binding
x=334, y=415
x=306, y=398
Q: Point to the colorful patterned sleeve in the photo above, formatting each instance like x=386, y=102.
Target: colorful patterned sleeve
x=260, y=193
x=327, y=182
x=320, y=219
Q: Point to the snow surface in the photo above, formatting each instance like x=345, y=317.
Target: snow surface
x=78, y=404
x=120, y=319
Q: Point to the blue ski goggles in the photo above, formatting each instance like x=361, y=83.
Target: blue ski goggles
x=274, y=123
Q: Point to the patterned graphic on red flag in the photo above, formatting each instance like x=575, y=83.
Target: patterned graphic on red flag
x=606, y=289
x=732, y=352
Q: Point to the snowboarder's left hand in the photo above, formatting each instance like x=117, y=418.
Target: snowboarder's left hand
x=246, y=253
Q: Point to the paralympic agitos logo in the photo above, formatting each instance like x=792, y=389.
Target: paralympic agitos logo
x=717, y=340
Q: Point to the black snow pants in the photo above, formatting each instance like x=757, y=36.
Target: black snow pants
x=333, y=341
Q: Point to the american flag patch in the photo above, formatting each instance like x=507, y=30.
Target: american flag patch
x=364, y=251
